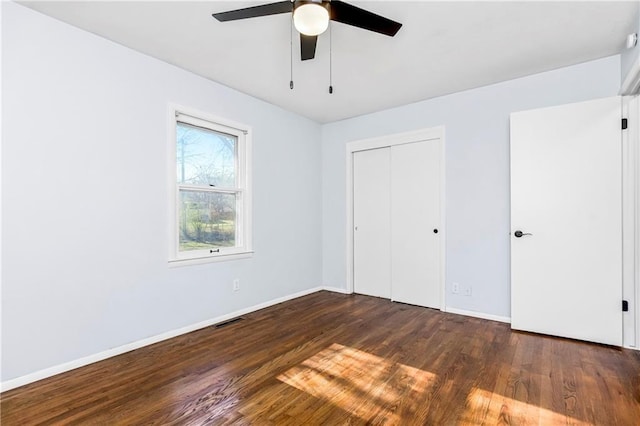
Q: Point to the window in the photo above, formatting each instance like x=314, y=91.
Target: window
x=210, y=179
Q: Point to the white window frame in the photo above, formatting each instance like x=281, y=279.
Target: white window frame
x=242, y=132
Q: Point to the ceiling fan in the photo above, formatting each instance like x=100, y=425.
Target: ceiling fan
x=311, y=18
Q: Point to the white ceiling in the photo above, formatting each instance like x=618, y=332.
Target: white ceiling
x=443, y=47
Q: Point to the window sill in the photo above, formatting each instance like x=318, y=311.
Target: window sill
x=176, y=263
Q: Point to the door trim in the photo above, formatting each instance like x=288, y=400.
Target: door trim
x=631, y=221
x=629, y=205
x=634, y=120
x=432, y=133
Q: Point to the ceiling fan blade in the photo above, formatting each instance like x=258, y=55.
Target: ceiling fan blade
x=351, y=15
x=255, y=11
x=308, y=46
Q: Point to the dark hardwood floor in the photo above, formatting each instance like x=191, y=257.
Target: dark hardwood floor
x=332, y=359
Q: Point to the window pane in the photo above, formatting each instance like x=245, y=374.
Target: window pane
x=205, y=157
x=207, y=220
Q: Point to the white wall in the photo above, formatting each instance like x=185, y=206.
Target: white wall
x=84, y=196
x=477, y=173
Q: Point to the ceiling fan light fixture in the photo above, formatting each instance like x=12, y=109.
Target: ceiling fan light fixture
x=311, y=19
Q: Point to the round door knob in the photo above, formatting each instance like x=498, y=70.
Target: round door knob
x=435, y=231
x=519, y=234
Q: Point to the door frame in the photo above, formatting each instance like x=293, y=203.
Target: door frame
x=428, y=134
x=631, y=221
x=634, y=120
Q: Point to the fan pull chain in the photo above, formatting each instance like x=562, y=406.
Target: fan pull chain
x=291, y=51
x=330, y=58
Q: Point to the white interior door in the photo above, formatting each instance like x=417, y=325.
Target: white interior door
x=372, y=223
x=566, y=276
x=415, y=219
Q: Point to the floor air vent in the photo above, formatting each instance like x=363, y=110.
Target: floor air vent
x=229, y=322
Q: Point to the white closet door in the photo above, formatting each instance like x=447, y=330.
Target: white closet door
x=415, y=222
x=372, y=223
x=566, y=244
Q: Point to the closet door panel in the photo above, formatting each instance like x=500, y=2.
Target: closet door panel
x=415, y=219
x=372, y=223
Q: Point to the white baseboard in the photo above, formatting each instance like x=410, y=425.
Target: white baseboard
x=336, y=290
x=478, y=315
x=81, y=362
x=446, y=309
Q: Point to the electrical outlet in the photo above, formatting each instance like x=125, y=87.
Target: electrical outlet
x=455, y=288
x=236, y=284
x=467, y=291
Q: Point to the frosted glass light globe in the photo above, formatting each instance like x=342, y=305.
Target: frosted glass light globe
x=311, y=19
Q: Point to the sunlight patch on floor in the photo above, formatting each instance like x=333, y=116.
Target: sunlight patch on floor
x=360, y=383
x=500, y=409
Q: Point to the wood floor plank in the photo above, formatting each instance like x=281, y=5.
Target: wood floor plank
x=333, y=359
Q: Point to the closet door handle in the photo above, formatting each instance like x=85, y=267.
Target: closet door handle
x=520, y=234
